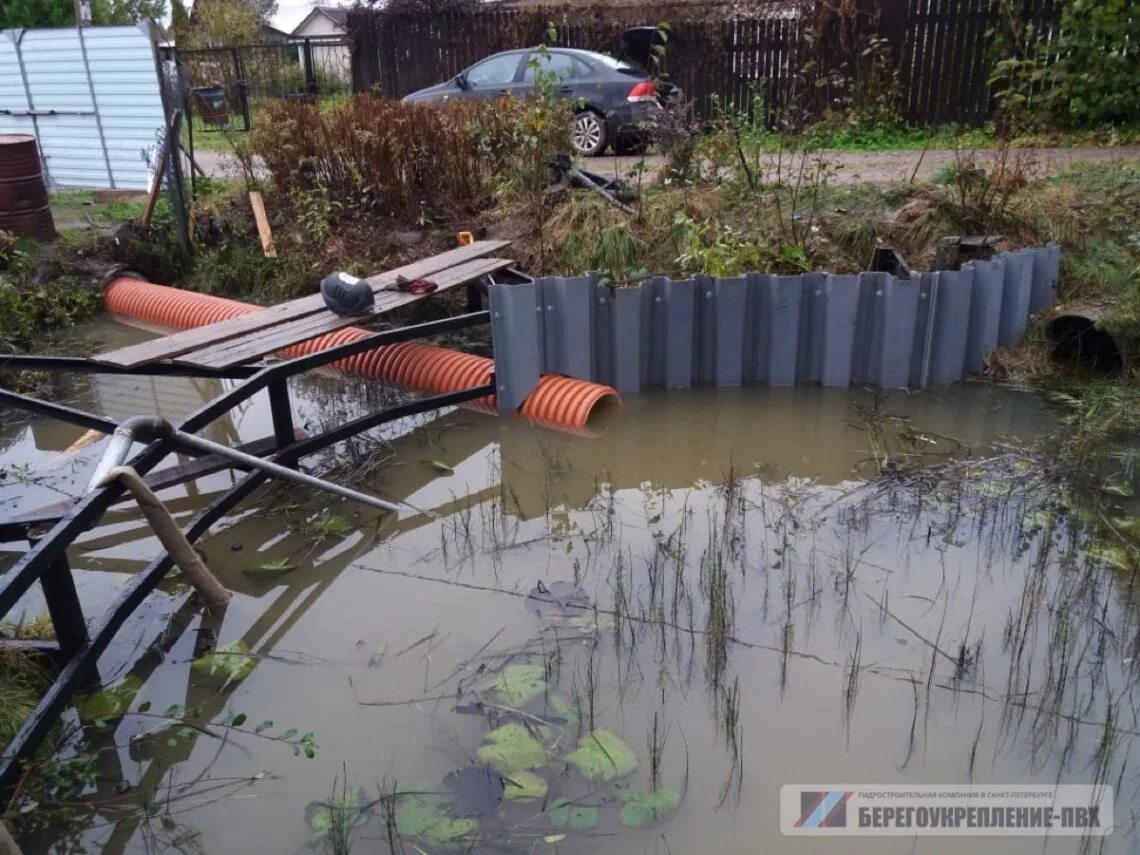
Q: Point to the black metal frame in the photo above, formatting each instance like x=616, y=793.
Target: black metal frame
x=46, y=561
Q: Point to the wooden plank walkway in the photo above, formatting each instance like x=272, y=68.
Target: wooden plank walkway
x=272, y=339
x=197, y=338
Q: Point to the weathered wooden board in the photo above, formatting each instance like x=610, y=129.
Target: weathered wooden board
x=179, y=343
x=273, y=339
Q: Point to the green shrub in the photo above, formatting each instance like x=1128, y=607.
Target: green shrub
x=390, y=158
x=26, y=312
x=1086, y=75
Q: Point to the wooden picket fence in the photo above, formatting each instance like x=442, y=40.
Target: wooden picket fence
x=942, y=49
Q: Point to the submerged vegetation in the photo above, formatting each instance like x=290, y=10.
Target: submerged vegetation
x=546, y=666
x=560, y=654
x=23, y=675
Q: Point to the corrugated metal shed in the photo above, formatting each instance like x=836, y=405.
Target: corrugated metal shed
x=92, y=97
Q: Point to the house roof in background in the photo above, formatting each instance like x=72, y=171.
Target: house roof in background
x=337, y=14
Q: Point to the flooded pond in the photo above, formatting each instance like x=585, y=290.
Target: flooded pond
x=646, y=634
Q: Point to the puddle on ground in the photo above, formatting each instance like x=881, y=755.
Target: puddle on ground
x=646, y=634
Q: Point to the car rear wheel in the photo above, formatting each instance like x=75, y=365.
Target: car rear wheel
x=589, y=136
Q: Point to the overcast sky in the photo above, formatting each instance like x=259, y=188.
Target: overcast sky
x=291, y=12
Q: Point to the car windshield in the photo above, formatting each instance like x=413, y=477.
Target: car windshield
x=608, y=61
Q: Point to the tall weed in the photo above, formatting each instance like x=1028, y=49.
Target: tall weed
x=391, y=158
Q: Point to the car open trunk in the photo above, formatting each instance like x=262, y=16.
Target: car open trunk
x=647, y=49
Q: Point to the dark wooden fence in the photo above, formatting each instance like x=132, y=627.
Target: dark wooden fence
x=946, y=53
x=942, y=49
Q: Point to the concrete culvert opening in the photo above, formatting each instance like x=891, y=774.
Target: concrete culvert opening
x=1079, y=341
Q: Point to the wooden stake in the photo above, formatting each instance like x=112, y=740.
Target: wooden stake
x=172, y=131
x=263, y=230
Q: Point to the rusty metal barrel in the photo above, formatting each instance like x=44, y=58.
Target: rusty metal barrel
x=24, y=207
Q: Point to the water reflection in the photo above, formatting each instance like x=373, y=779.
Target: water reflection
x=757, y=615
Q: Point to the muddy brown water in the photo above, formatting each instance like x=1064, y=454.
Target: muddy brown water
x=782, y=619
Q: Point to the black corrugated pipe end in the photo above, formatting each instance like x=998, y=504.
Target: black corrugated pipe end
x=1081, y=338
x=115, y=272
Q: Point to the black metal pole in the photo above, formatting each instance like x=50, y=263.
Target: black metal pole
x=243, y=91
x=178, y=187
x=282, y=412
x=57, y=411
x=77, y=364
x=188, y=112
x=310, y=71
x=64, y=607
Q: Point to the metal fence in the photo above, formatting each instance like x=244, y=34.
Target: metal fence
x=869, y=329
x=224, y=87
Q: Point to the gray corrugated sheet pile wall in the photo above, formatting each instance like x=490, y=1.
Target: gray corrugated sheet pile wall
x=866, y=329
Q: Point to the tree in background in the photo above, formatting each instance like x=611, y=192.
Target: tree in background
x=61, y=13
x=220, y=23
x=36, y=13
x=127, y=11
x=179, y=21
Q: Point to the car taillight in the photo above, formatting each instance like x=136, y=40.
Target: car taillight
x=644, y=91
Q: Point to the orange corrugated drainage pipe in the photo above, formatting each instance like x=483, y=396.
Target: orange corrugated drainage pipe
x=559, y=402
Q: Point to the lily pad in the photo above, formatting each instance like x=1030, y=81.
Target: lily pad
x=511, y=748
x=477, y=791
x=602, y=755
x=111, y=703
x=641, y=809
x=327, y=525
x=563, y=814
x=584, y=624
x=422, y=813
x=270, y=569
x=557, y=598
x=524, y=787
x=518, y=685
x=345, y=811
x=227, y=664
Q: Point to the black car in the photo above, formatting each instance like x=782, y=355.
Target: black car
x=617, y=100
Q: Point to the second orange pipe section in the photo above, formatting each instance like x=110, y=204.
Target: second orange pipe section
x=559, y=402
